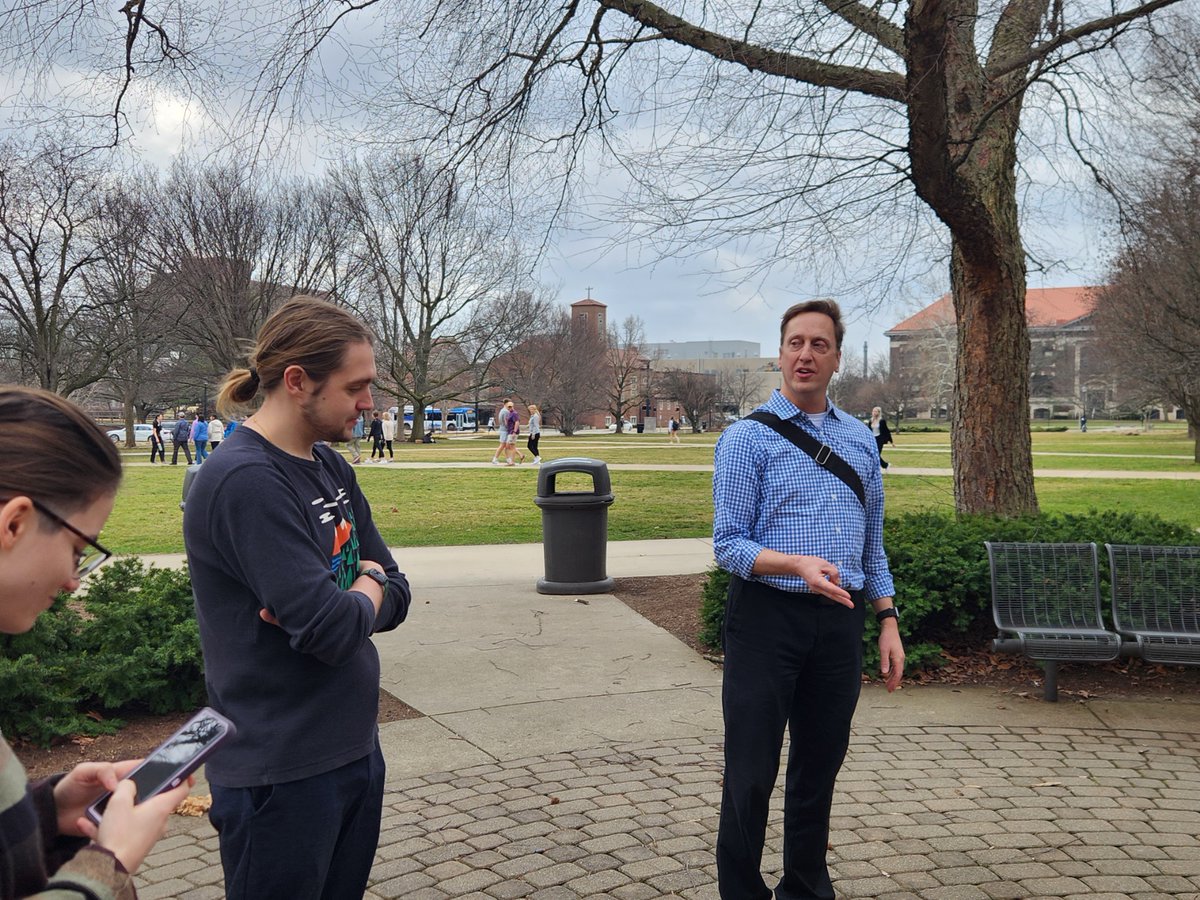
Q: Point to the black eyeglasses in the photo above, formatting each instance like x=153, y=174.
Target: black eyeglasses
x=88, y=559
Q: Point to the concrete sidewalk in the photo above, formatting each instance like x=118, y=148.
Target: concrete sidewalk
x=570, y=748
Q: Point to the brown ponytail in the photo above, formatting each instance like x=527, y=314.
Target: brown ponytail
x=52, y=451
x=307, y=332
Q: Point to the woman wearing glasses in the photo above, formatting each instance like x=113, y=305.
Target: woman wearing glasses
x=52, y=507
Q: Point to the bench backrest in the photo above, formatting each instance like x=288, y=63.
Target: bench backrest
x=1155, y=590
x=1044, y=587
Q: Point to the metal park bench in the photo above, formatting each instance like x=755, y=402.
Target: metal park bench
x=1156, y=601
x=1046, y=603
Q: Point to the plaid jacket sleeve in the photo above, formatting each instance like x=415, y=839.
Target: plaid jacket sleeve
x=35, y=861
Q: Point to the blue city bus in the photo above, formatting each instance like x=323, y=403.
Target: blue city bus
x=458, y=418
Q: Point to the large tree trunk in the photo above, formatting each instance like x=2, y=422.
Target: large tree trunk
x=989, y=437
x=962, y=145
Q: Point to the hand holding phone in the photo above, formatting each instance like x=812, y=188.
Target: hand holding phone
x=174, y=760
x=130, y=830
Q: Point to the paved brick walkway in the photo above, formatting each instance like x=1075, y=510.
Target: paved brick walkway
x=938, y=813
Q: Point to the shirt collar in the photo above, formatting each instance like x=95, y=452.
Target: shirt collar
x=785, y=409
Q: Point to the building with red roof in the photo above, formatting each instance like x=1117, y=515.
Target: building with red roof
x=1068, y=375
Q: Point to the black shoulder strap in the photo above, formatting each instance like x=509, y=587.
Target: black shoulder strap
x=822, y=454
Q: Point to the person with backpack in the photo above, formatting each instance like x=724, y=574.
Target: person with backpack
x=180, y=435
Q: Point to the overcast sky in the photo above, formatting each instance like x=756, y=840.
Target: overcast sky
x=697, y=298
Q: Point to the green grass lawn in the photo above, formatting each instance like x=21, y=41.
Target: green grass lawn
x=417, y=507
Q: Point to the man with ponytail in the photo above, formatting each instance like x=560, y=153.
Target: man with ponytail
x=291, y=579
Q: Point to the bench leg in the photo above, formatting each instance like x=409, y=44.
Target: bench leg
x=1050, y=686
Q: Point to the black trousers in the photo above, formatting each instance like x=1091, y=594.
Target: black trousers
x=175, y=453
x=791, y=660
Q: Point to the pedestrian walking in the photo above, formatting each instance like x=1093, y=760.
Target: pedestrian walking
x=881, y=433
x=216, y=432
x=291, y=579
x=376, y=436
x=156, y=440
x=356, y=436
x=512, y=429
x=389, y=435
x=180, y=435
x=200, y=436
x=535, y=433
x=673, y=428
x=502, y=432
x=803, y=542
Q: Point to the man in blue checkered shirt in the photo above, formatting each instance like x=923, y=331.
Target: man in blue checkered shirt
x=806, y=557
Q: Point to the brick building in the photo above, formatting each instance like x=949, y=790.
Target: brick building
x=1068, y=373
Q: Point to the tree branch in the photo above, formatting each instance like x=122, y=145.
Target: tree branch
x=869, y=22
x=1001, y=67
x=875, y=83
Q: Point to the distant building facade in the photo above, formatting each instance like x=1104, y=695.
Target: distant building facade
x=1069, y=374
x=690, y=350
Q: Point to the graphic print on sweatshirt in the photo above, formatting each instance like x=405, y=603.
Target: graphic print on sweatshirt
x=344, y=556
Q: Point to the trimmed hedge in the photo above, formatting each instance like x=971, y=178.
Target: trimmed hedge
x=940, y=567
x=130, y=643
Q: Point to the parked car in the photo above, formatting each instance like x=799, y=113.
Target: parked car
x=141, y=434
x=630, y=426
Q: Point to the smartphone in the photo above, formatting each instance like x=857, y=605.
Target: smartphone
x=174, y=759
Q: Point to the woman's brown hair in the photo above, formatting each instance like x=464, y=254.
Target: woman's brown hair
x=52, y=451
x=307, y=332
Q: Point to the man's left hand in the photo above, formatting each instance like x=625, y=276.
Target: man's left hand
x=891, y=654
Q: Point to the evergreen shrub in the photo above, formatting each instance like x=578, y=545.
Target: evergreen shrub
x=128, y=644
x=940, y=567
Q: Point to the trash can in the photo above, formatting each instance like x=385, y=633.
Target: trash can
x=188, y=477
x=574, y=528
x=641, y=427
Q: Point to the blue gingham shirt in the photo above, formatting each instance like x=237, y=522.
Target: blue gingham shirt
x=767, y=493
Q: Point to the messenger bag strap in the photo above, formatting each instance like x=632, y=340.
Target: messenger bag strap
x=821, y=453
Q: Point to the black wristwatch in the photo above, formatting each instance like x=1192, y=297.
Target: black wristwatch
x=890, y=613
x=376, y=576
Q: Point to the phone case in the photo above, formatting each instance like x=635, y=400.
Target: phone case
x=175, y=758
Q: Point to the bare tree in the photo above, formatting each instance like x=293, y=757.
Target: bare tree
x=626, y=367
x=696, y=393
x=809, y=121
x=232, y=246
x=572, y=369
x=800, y=122
x=140, y=328
x=738, y=388
x=444, y=286
x=1148, y=319
x=48, y=204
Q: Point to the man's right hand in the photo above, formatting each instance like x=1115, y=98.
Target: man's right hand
x=823, y=578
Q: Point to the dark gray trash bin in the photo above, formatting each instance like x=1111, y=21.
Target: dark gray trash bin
x=188, y=477
x=574, y=529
